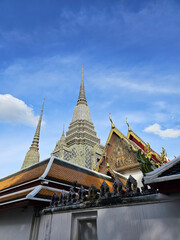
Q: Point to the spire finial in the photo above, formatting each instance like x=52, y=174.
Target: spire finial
x=82, y=78
x=82, y=97
x=35, y=142
x=163, y=156
x=128, y=124
x=112, y=124
x=63, y=130
x=32, y=155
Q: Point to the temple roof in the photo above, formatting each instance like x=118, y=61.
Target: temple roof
x=39, y=181
x=122, y=136
x=144, y=146
x=135, y=144
x=165, y=178
x=101, y=166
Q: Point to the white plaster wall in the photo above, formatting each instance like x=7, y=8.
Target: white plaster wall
x=45, y=227
x=55, y=227
x=15, y=224
x=64, y=224
x=140, y=222
x=154, y=221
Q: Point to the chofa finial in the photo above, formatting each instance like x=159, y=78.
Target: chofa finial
x=127, y=121
x=112, y=124
x=128, y=124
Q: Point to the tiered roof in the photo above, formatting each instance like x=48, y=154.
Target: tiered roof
x=36, y=184
x=165, y=178
x=141, y=144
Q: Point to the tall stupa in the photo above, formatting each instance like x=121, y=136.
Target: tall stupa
x=81, y=144
x=32, y=156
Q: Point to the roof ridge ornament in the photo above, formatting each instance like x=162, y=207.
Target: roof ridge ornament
x=82, y=97
x=112, y=124
x=163, y=156
x=128, y=124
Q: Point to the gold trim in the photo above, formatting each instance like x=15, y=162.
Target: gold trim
x=119, y=134
x=152, y=152
x=130, y=167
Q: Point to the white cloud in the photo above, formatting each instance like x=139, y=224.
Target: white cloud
x=16, y=35
x=136, y=82
x=50, y=75
x=53, y=74
x=14, y=110
x=167, y=133
x=160, y=105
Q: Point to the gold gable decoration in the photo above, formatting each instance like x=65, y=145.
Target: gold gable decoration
x=129, y=147
x=163, y=156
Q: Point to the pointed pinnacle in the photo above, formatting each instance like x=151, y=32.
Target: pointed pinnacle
x=112, y=124
x=82, y=72
x=35, y=142
x=128, y=124
x=63, y=130
x=82, y=97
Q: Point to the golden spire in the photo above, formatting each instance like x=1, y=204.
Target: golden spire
x=32, y=155
x=82, y=97
x=128, y=124
x=163, y=156
x=112, y=124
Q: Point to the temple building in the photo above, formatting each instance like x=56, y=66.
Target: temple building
x=81, y=144
x=129, y=155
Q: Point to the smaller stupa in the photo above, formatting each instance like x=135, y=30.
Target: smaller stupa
x=32, y=156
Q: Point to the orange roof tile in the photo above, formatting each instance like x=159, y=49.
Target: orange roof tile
x=14, y=196
x=48, y=193
x=69, y=175
x=22, y=176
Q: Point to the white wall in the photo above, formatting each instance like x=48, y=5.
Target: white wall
x=55, y=227
x=140, y=222
x=15, y=224
x=134, y=222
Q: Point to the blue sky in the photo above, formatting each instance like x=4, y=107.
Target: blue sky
x=130, y=50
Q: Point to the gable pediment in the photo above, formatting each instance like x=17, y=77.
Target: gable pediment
x=120, y=155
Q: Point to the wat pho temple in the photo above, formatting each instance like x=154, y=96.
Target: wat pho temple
x=84, y=190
